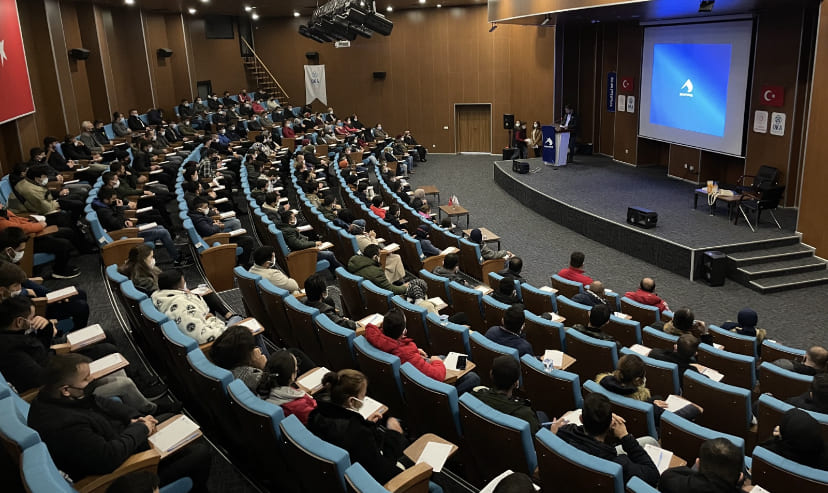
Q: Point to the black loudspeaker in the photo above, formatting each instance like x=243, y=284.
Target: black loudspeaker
x=311, y=54
x=379, y=75
x=164, y=52
x=508, y=152
x=78, y=53
x=508, y=122
x=642, y=217
x=714, y=267
x=520, y=167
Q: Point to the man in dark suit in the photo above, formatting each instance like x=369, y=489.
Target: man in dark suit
x=134, y=122
x=570, y=122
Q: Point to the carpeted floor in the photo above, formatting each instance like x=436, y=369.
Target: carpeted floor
x=796, y=317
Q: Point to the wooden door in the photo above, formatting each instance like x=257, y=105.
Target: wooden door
x=474, y=128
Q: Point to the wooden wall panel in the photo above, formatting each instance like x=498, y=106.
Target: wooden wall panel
x=161, y=69
x=775, y=63
x=181, y=79
x=219, y=60
x=814, y=200
x=609, y=62
x=630, y=40
x=77, y=68
x=681, y=156
x=434, y=59
x=125, y=37
x=96, y=81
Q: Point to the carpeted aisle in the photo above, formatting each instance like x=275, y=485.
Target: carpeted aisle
x=796, y=318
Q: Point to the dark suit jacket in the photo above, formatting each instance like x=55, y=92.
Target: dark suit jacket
x=136, y=123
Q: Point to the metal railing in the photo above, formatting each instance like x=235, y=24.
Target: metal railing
x=282, y=89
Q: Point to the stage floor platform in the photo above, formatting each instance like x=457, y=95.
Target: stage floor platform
x=591, y=197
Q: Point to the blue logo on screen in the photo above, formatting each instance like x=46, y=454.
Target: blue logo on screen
x=689, y=88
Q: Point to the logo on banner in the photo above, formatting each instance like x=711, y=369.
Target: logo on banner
x=611, y=91
x=773, y=95
x=627, y=84
x=687, y=89
x=315, y=87
x=16, y=94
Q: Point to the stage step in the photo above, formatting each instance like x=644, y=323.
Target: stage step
x=777, y=268
x=788, y=282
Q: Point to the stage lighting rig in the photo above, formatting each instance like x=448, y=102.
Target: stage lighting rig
x=345, y=20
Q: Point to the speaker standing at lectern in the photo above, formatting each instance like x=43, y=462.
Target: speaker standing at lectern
x=570, y=122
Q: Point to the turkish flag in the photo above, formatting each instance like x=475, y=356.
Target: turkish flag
x=15, y=90
x=626, y=84
x=772, y=95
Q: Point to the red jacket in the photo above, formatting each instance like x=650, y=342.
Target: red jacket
x=378, y=211
x=406, y=350
x=28, y=227
x=301, y=407
x=575, y=274
x=646, y=298
x=288, y=132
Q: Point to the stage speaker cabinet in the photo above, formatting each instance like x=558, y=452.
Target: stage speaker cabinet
x=714, y=267
x=642, y=217
x=520, y=167
x=508, y=122
x=164, y=52
x=78, y=54
x=508, y=152
x=379, y=75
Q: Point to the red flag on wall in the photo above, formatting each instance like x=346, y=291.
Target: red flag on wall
x=626, y=84
x=15, y=90
x=772, y=95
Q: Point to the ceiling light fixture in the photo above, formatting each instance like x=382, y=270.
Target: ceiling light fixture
x=191, y=10
x=254, y=16
x=439, y=5
x=422, y=2
x=129, y=2
x=296, y=13
x=389, y=9
x=248, y=8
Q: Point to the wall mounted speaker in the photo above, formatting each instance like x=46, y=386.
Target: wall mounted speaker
x=164, y=52
x=379, y=75
x=78, y=53
x=508, y=122
x=311, y=55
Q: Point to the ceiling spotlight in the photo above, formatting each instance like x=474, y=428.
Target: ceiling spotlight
x=546, y=20
x=706, y=5
x=494, y=26
x=191, y=10
x=129, y=2
x=439, y=5
x=248, y=8
x=296, y=13
x=389, y=9
x=254, y=16
x=422, y=2
x=205, y=1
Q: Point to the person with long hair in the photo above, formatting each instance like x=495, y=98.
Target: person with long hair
x=537, y=138
x=141, y=270
x=278, y=385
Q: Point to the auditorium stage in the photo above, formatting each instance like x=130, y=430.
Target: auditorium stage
x=591, y=197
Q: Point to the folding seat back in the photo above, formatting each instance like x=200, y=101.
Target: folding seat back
x=654, y=338
x=468, y=301
x=273, y=301
x=319, y=465
x=443, y=239
x=353, y=300
x=561, y=463
x=248, y=285
x=726, y=408
x=639, y=415
x=337, y=343
x=446, y=336
x=769, y=411
x=684, y=437
x=662, y=376
x=493, y=311
x=14, y=432
x=538, y=301
x=782, y=383
x=377, y=299
x=437, y=286
x=641, y=313
x=472, y=263
x=432, y=405
x=772, y=351
x=593, y=356
x=383, y=372
x=415, y=322
x=495, y=441
x=210, y=384
x=483, y=353
x=39, y=472
x=301, y=322
x=738, y=370
x=735, y=343
x=566, y=287
x=636, y=485
x=627, y=332
x=114, y=277
x=543, y=334
x=554, y=392
x=776, y=473
x=574, y=313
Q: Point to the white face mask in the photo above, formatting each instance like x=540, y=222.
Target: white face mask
x=44, y=182
x=535, y=125
x=16, y=293
x=149, y=149
x=151, y=262
x=116, y=184
x=18, y=256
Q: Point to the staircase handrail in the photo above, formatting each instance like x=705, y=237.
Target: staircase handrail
x=266, y=69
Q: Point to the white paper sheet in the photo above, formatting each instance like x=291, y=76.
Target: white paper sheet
x=661, y=458
x=435, y=455
x=674, y=403
x=314, y=379
x=642, y=350
x=451, y=360
x=144, y=227
x=375, y=319
x=554, y=355
x=61, y=293
x=105, y=362
x=85, y=335
x=173, y=434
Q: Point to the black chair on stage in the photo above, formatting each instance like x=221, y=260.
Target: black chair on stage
x=765, y=200
x=765, y=177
